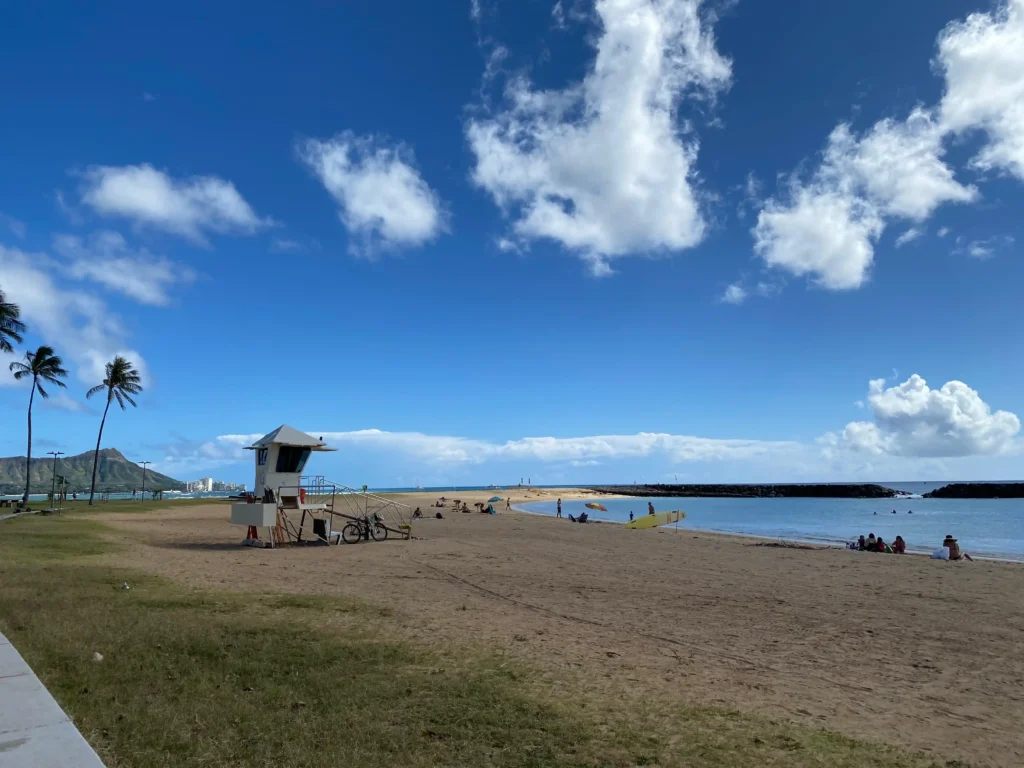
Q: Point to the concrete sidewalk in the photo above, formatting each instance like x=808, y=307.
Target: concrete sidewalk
x=34, y=731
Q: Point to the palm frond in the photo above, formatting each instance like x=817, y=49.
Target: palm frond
x=19, y=370
x=11, y=327
x=117, y=394
x=39, y=388
x=96, y=390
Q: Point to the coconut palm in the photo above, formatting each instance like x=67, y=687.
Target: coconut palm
x=11, y=327
x=121, y=382
x=43, y=367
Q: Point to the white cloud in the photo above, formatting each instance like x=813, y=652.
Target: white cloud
x=106, y=258
x=827, y=228
x=982, y=59
x=822, y=233
x=80, y=327
x=189, y=207
x=734, y=294
x=601, y=167
x=943, y=231
x=983, y=249
x=148, y=97
x=584, y=463
x=909, y=236
x=897, y=165
x=384, y=201
x=16, y=227
x=911, y=419
x=444, y=449
x=896, y=170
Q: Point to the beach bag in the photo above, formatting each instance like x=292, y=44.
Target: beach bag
x=942, y=553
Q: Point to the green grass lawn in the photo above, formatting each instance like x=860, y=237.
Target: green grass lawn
x=198, y=678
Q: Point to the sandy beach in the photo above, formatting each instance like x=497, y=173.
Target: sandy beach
x=903, y=650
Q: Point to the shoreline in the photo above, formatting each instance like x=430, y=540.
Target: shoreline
x=827, y=543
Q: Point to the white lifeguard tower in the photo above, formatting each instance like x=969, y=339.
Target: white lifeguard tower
x=280, y=488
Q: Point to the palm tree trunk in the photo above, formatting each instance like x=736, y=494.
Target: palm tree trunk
x=96, y=456
x=28, y=458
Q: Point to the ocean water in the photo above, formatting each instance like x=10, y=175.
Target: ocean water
x=987, y=527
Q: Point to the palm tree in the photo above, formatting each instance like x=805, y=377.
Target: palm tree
x=11, y=327
x=122, y=381
x=43, y=366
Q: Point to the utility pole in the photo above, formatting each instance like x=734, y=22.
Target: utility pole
x=53, y=482
x=144, y=465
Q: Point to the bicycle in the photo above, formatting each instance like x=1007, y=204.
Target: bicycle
x=357, y=530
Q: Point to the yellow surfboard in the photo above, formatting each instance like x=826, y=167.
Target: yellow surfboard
x=658, y=518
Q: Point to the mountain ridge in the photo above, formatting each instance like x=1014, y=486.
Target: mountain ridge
x=114, y=472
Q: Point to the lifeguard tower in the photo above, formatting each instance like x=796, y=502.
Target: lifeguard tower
x=281, y=489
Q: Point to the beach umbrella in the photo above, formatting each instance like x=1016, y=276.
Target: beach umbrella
x=595, y=505
x=495, y=498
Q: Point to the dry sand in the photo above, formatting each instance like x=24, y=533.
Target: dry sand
x=906, y=650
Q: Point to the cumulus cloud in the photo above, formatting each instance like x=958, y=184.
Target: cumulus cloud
x=821, y=233
x=896, y=169
x=79, y=326
x=982, y=59
x=601, y=167
x=189, y=207
x=826, y=228
x=913, y=420
x=383, y=200
x=106, y=258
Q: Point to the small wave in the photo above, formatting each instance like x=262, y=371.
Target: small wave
x=908, y=496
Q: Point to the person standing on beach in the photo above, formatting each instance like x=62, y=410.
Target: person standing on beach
x=508, y=503
x=631, y=515
x=559, y=512
x=650, y=508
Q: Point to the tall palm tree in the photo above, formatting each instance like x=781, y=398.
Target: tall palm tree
x=121, y=382
x=11, y=327
x=42, y=366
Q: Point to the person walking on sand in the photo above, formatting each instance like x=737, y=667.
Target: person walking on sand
x=650, y=508
x=508, y=503
x=631, y=515
x=559, y=512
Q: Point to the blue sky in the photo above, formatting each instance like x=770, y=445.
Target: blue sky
x=577, y=241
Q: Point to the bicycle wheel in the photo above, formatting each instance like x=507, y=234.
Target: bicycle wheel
x=379, y=532
x=351, y=533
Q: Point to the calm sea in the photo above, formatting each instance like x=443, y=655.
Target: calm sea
x=990, y=527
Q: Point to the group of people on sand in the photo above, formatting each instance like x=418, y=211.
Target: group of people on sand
x=417, y=514
x=875, y=544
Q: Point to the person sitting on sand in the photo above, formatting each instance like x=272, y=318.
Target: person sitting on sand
x=899, y=547
x=879, y=545
x=571, y=518
x=871, y=542
x=954, y=549
x=861, y=544
x=465, y=507
x=583, y=517
x=416, y=514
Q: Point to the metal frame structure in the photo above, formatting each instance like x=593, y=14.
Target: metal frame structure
x=326, y=497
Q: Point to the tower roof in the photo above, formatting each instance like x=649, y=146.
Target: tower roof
x=285, y=435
